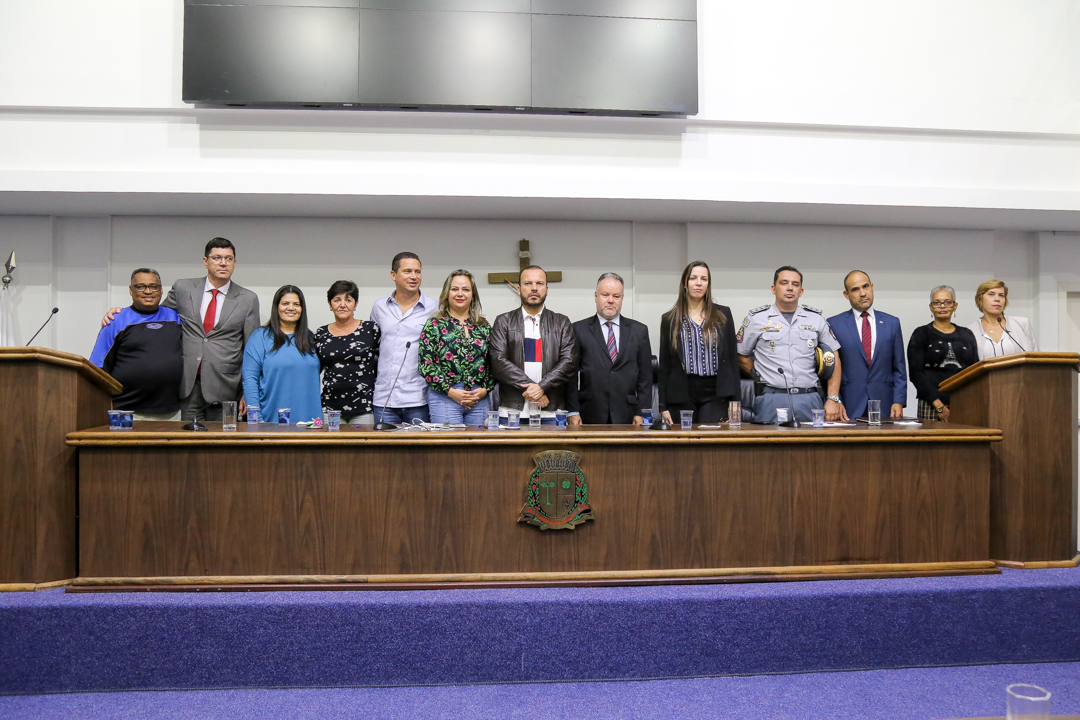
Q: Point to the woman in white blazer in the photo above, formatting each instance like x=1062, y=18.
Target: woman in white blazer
x=996, y=334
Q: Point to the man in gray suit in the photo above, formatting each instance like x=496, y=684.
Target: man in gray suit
x=217, y=316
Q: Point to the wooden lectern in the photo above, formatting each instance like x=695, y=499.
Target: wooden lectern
x=45, y=395
x=1031, y=397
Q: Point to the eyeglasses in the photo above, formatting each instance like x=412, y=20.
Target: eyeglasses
x=942, y=303
x=144, y=288
x=222, y=259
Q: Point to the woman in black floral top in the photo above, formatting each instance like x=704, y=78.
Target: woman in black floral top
x=453, y=354
x=348, y=350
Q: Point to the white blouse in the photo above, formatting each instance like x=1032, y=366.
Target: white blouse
x=1018, y=339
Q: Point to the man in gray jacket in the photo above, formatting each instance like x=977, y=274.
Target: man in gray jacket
x=531, y=351
x=217, y=317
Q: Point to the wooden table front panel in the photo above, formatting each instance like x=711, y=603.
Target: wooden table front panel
x=204, y=510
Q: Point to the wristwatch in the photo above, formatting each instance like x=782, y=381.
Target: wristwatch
x=835, y=399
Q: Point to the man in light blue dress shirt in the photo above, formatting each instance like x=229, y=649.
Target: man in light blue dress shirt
x=401, y=316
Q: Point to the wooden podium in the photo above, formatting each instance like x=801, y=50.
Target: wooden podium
x=1032, y=398
x=45, y=394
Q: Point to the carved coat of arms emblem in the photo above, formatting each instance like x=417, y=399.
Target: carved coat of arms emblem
x=556, y=495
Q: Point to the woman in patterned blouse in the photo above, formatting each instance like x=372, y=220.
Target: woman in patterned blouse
x=348, y=350
x=453, y=354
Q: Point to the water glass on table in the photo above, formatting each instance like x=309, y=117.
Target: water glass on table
x=782, y=415
x=228, y=415
x=252, y=415
x=333, y=420
x=533, y=408
x=819, y=417
x=513, y=419
x=1027, y=702
x=491, y=421
x=873, y=411
x=560, y=418
x=121, y=419
x=734, y=414
x=646, y=415
x=686, y=419
x=284, y=416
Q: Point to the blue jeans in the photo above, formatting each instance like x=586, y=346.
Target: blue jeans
x=396, y=416
x=443, y=409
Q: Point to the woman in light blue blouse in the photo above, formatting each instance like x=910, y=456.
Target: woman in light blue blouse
x=281, y=369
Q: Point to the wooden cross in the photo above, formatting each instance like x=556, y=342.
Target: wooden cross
x=524, y=261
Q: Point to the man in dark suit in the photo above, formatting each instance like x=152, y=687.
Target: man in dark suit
x=614, y=379
x=217, y=317
x=871, y=351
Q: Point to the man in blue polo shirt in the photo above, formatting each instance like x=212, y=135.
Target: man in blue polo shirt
x=142, y=348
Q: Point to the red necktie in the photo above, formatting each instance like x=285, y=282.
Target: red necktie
x=211, y=313
x=611, y=349
x=866, y=345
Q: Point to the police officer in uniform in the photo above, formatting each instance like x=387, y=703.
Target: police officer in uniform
x=780, y=342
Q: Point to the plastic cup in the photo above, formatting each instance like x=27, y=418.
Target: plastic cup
x=819, y=417
x=873, y=411
x=115, y=422
x=333, y=420
x=782, y=415
x=228, y=415
x=686, y=419
x=252, y=415
x=492, y=420
x=1027, y=702
x=647, y=416
x=284, y=416
x=513, y=419
x=734, y=413
x=560, y=418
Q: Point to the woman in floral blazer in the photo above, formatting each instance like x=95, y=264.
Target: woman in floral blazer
x=453, y=354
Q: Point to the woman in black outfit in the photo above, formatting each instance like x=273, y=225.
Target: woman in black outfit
x=348, y=350
x=699, y=358
x=938, y=351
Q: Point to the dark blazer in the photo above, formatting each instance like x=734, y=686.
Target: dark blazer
x=605, y=392
x=885, y=379
x=221, y=353
x=506, y=357
x=673, y=385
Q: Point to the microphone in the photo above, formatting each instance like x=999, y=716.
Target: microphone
x=385, y=425
x=195, y=424
x=1001, y=322
x=791, y=408
x=54, y=311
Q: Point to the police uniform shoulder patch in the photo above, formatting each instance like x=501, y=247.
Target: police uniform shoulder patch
x=763, y=308
x=811, y=309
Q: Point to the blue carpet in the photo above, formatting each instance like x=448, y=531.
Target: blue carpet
x=54, y=641
x=917, y=694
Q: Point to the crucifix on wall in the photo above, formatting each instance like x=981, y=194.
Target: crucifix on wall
x=524, y=261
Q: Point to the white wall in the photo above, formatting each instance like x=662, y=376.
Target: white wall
x=965, y=104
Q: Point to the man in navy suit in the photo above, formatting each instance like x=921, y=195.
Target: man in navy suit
x=614, y=379
x=871, y=351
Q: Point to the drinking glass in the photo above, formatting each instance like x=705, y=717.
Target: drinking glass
x=646, y=415
x=1027, y=702
x=284, y=416
x=734, y=413
x=228, y=415
x=686, y=419
x=533, y=408
x=873, y=411
x=782, y=415
x=560, y=418
x=819, y=417
x=333, y=420
x=252, y=415
x=115, y=422
x=491, y=422
x=513, y=419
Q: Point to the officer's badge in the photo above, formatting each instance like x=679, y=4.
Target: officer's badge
x=556, y=495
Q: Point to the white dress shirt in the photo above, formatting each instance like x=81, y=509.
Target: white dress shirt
x=206, y=297
x=873, y=329
x=1022, y=338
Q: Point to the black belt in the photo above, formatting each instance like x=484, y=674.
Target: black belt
x=770, y=390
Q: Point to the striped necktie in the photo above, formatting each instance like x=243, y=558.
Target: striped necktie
x=611, y=349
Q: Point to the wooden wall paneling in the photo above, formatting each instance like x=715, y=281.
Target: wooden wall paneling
x=18, y=448
x=56, y=483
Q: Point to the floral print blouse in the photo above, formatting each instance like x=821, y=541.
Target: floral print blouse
x=449, y=356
